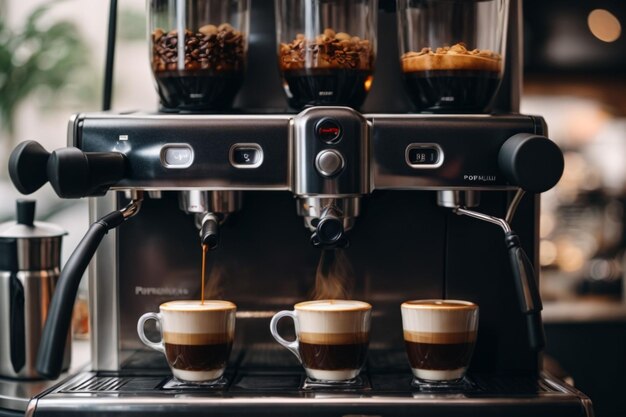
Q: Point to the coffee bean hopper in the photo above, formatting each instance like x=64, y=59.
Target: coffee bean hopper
x=385, y=188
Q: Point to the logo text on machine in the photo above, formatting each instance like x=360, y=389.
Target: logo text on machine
x=160, y=291
x=480, y=178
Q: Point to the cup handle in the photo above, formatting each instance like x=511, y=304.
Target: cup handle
x=292, y=346
x=158, y=346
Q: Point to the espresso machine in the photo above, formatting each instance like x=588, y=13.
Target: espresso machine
x=410, y=199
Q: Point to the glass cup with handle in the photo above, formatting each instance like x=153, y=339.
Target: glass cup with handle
x=196, y=337
x=439, y=337
x=332, y=337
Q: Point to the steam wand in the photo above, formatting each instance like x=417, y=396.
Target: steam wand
x=523, y=272
x=54, y=337
x=518, y=159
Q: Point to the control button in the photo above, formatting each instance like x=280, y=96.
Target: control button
x=329, y=162
x=246, y=155
x=328, y=130
x=176, y=156
x=424, y=156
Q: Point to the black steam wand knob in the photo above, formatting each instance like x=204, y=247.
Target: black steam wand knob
x=27, y=166
x=54, y=335
x=532, y=162
x=524, y=275
x=71, y=172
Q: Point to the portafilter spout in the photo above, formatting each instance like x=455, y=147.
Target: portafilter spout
x=329, y=218
x=211, y=209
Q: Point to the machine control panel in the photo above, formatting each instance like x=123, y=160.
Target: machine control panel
x=280, y=152
x=330, y=152
x=246, y=155
x=424, y=156
x=177, y=156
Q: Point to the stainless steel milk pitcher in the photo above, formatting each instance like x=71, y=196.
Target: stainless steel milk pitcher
x=30, y=261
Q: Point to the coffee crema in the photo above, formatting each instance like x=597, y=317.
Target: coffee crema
x=440, y=338
x=440, y=304
x=334, y=338
x=333, y=305
x=197, y=305
x=196, y=338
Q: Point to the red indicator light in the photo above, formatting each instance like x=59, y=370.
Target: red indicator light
x=328, y=130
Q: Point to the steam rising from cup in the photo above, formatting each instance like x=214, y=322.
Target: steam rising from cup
x=334, y=278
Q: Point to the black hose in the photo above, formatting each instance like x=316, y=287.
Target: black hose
x=59, y=318
x=527, y=291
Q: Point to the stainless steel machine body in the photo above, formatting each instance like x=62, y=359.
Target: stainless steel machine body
x=402, y=245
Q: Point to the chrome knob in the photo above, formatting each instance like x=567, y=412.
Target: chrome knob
x=329, y=162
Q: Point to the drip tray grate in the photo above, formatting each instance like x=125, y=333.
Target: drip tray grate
x=111, y=384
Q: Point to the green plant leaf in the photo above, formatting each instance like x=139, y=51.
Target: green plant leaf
x=36, y=57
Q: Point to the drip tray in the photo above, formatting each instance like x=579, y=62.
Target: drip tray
x=297, y=383
x=270, y=382
x=288, y=393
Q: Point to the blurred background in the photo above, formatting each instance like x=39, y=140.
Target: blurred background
x=51, y=65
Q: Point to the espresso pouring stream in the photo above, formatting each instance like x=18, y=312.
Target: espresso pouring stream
x=204, y=251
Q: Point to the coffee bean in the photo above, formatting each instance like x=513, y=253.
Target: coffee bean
x=220, y=48
x=327, y=50
x=157, y=34
x=208, y=29
x=456, y=49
